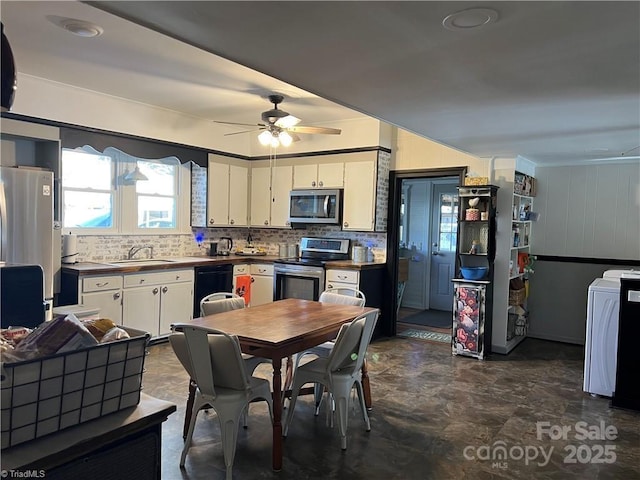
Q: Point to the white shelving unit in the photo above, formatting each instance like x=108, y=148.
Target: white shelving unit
x=513, y=237
x=521, y=224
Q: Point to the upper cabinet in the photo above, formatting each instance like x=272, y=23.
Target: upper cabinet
x=227, y=192
x=318, y=175
x=270, y=187
x=359, y=196
x=256, y=193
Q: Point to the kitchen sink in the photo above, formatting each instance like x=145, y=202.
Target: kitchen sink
x=142, y=261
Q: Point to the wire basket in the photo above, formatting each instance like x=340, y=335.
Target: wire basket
x=48, y=394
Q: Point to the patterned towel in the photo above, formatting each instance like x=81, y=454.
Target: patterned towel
x=243, y=287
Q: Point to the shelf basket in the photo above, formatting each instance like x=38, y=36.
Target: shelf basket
x=517, y=297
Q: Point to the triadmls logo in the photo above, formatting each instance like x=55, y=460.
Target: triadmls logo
x=595, y=446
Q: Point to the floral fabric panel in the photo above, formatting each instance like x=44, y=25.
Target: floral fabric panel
x=467, y=327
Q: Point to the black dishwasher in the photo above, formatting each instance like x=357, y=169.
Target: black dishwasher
x=211, y=279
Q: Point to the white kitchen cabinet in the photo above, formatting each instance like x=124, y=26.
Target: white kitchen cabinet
x=104, y=292
x=320, y=175
x=342, y=279
x=261, y=284
x=239, y=270
x=227, y=192
x=153, y=301
x=270, y=189
x=218, y=194
x=238, y=196
x=359, y=202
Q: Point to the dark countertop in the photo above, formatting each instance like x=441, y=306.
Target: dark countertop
x=96, y=268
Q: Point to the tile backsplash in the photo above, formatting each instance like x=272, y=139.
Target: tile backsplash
x=101, y=248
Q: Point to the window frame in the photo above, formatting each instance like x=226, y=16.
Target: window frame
x=125, y=219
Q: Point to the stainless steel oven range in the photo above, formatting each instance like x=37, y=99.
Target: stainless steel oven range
x=303, y=277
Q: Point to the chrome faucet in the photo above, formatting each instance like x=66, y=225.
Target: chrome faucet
x=134, y=250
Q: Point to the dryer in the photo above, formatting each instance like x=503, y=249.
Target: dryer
x=601, y=345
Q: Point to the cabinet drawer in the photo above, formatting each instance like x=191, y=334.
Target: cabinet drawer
x=97, y=284
x=240, y=269
x=343, y=276
x=158, y=278
x=340, y=285
x=261, y=269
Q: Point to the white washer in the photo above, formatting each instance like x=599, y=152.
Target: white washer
x=601, y=346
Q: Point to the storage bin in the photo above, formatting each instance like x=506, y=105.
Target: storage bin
x=517, y=297
x=48, y=394
x=473, y=181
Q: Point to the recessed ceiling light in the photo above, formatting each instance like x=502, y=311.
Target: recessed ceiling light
x=81, y=28
x=471, y=18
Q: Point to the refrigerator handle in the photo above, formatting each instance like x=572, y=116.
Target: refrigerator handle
x=3, y=223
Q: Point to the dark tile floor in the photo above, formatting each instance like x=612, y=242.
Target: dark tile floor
x=434, y=416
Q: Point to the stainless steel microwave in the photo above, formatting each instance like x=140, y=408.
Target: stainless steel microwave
x=315, y=206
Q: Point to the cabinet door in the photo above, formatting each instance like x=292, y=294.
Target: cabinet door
x=305, y=176
x=141, y=308
x=331, y=175
x=261, y=196
x=175, y=305
x=359, y=196
x=218, y=194
x=469, y=320
x=109, y=302
x=261, y=290
x=238, y=196
x=282, y=179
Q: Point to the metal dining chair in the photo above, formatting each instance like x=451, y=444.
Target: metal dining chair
x=341, y=296
x=220, y=302
x=215, y=362
x=339, y=372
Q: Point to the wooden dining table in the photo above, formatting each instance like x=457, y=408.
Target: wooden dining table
x=279, y=330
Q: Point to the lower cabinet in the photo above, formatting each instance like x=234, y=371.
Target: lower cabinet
x=343, y=278
x=369, y=281
x=261, y=284
x=104, y=292
x=153, y=301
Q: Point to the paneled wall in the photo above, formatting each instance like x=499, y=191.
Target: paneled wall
x=590, y=211
x=588, y=214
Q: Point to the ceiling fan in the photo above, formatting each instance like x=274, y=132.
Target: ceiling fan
x=279, y=127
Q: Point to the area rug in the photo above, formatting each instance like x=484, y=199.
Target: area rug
x=431, y=318
x=425, y=335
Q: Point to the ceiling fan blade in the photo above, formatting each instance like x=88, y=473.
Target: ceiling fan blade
x=243, y=131
x=288, y=121
x=323, y=130
x=241, y=124
x=294, y=137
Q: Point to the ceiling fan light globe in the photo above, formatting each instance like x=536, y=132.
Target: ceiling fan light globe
x=275, y=143
x=265, y=138
x=285, y=139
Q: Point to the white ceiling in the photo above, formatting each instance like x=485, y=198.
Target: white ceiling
x=554, y=81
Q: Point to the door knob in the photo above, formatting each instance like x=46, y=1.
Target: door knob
x=435, y=252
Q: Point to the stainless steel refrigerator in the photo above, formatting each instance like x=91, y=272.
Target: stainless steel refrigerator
x=28, y=233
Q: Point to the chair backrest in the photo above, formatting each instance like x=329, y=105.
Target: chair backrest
x=211, y=357
x=220, y=302
x=351, y=343
x=343, y=296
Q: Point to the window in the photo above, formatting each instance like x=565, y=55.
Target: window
x=87, y=189
x=100, y=195
x=448, y=227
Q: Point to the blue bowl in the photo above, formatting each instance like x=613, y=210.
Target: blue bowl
x=474, y=273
